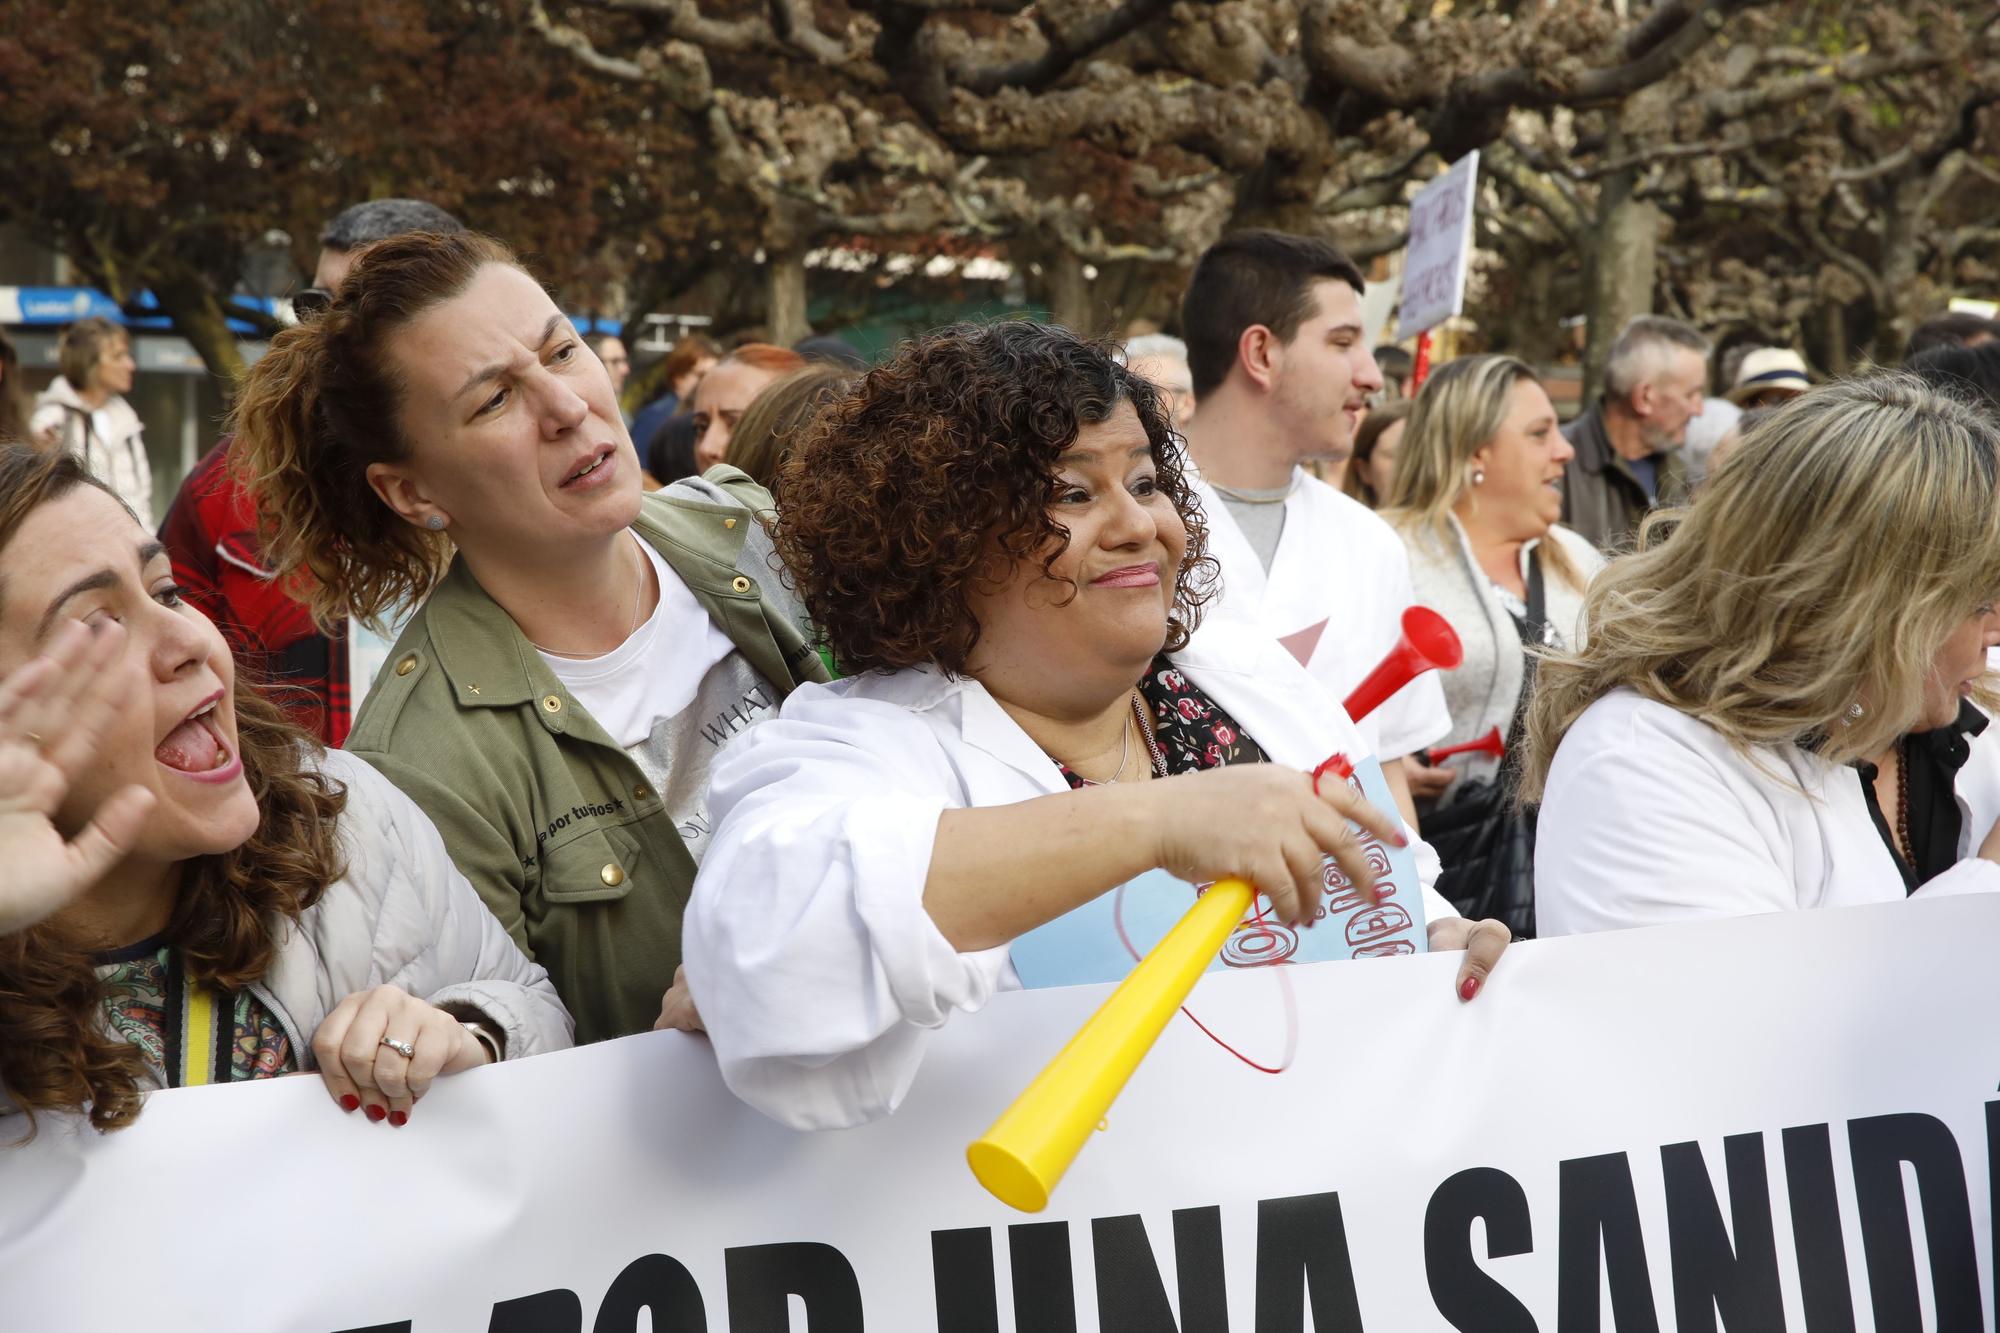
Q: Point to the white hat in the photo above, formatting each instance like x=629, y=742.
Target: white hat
x=1769, y=368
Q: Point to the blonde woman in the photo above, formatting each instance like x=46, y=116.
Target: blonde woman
x=1736, y=735
x=84, y=412
x=1475, y=498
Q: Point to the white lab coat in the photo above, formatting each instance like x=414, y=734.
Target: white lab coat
x=807, y=946
x=1649, y=816
x=1335, y=596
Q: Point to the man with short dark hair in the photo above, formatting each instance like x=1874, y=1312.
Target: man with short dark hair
x=361, y=225
x=1628, y=443
x=210, y=531
x=1954, y=328
x=1282, y=373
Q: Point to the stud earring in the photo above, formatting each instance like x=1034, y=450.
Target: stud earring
x=1855, y=712
x=1478, y=477
x=435, y=522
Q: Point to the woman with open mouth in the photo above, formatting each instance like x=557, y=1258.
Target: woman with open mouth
x=440, y=435
x=229, y=902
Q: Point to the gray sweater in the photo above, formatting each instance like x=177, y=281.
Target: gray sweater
x=1485, y=689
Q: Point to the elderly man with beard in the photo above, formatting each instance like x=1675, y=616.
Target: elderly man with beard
x=1628, y=444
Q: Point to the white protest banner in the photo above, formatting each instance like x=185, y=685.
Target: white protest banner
x=1440, y=248
x=1783, y=1121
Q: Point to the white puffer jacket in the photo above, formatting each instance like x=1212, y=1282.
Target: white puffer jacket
x=402, y=915
x=111, y=442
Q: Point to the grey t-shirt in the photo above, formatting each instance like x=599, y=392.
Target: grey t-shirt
x=1261, y=516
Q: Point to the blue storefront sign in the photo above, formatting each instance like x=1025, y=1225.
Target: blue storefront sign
x=33, y=306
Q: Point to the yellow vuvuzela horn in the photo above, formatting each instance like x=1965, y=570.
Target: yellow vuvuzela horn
x=1020, y=1159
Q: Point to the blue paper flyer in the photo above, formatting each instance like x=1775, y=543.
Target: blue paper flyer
x=1101, y=940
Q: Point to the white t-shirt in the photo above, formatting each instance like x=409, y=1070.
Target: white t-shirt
x=1334, y=596
x=673, y=694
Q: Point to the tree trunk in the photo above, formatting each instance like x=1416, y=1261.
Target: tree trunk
x=1621, y=271
x=198, y=316
x=1908, y=299
x=1832, y=316
x=1067, y=293
x=1531, y=327
x=785, y=297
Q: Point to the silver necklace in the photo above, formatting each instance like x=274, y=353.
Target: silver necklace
x=1124, y=758
x=1159, y=764
x=638, y=600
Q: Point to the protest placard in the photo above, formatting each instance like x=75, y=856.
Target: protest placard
x=1768, y=1123
x=1440, y=248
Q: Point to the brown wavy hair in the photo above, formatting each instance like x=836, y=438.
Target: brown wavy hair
x=230, y=910
x=321, y=406
x=776, y=417
x=893, y=503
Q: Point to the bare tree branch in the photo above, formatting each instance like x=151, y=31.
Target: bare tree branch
x=1809, y=227
x=677, y=68
x=690, y=25
x=1661, y=45
x=1726, y=105
x=1539, y=189
x=1066, y=48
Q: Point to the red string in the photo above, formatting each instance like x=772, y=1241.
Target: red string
x=1284, y=984
x=1340, y=767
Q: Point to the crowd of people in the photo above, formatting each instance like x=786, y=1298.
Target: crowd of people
x=451, y=716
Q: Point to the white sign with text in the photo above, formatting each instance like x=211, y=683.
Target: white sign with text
x=1440, y=249
x=1777, y=1122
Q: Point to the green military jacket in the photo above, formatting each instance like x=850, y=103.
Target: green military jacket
x=550, y=819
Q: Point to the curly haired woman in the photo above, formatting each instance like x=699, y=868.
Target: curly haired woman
x=224, y=901
x=995, y=533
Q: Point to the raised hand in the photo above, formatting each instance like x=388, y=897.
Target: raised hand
x=53, y=714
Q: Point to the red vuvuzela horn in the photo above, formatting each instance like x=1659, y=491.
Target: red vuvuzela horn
x=1428, y=644
x=1490, y=743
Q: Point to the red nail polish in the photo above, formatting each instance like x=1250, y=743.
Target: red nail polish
x=349, y=1102
x=378, y=1113
x=399, y=1118
x=1469, y=989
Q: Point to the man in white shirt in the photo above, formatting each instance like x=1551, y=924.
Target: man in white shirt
x=1283, y=373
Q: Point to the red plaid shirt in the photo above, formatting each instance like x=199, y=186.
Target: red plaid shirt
x=211, y=535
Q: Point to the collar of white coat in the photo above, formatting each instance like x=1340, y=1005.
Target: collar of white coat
x=1250, y=676
x=1242, y=572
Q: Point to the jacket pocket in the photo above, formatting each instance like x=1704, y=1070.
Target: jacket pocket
x=597, y=866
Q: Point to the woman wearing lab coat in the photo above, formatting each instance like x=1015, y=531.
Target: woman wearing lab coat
x=995, y=535
x=1769, y=710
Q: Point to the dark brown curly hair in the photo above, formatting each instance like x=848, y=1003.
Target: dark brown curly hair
x=55, y=1054
x=893, y=505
